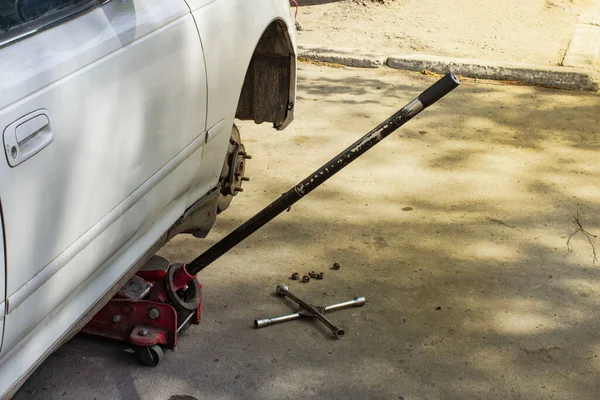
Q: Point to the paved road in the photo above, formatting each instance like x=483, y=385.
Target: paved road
x=454, y=230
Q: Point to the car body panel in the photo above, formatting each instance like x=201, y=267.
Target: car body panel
x=125, y=88
x=139, y=135
x=2, y=282
x=230, y=31
x=73, y=174
x=36, y=345
x=228, y=55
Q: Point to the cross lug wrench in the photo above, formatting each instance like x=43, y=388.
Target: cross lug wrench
x=308, y=310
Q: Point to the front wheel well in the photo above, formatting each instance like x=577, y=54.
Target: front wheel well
x=268, y=91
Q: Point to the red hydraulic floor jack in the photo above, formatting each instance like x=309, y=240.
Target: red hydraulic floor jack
x=150, y=320
x=154, y=306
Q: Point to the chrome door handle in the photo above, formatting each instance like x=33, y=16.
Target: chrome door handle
x=27, y=136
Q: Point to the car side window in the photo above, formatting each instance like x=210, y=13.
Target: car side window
x=18, y=17
x=8, y=14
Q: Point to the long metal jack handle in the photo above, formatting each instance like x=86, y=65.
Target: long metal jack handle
x=435, y=92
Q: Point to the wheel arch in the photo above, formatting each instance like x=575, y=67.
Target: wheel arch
x=269, y=89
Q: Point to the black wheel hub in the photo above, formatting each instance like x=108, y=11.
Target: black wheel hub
x=234, y=167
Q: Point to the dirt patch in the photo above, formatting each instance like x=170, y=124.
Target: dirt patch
x=534, y=31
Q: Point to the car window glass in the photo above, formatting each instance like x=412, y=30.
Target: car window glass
x=8, y=14
x=16, y=13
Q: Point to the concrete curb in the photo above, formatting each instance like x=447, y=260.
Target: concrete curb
x=584, y=48
x=555, y=77
x=343, y=56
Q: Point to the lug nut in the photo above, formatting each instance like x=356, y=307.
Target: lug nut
x=320, y=275
x=116, y=318
x=306, y=279
x=245, y=178
x=239, y=189
x=295, y=276
x=143, y=332
x=336, y=266
x=248, y=157
x=312, y=274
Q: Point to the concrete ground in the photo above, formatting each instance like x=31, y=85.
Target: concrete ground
x=454, y=229
x=530, y=31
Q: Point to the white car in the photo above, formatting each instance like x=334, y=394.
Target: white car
x=116, y=119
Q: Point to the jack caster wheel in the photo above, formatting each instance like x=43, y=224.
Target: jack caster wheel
x=150, y=356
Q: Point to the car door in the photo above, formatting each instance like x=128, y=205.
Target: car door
x=2, y=282
x=102, y=101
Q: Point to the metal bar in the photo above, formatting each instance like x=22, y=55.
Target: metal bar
x=405, y=114
x=180, y=327
x=357, y=302
x=261, y=323
x=337, y=331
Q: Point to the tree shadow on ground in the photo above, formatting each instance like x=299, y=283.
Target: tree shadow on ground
x=469, y=293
